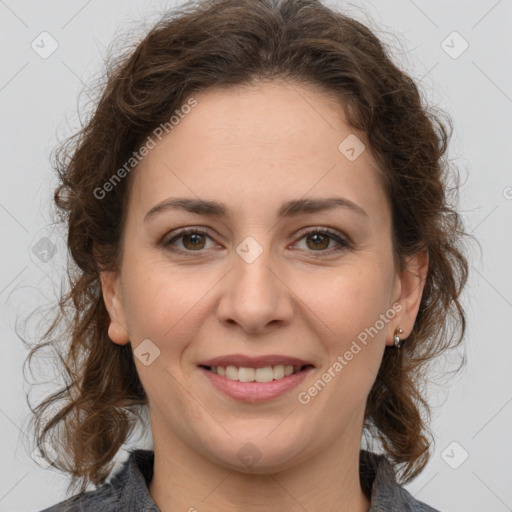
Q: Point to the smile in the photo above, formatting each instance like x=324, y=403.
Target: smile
x=265, y=374
x=255, y=384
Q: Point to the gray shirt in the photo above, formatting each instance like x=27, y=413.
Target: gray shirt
x=128, y=489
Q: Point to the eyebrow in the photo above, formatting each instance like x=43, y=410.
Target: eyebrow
x=288, y=209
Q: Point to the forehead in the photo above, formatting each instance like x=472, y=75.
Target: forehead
x=257, y=145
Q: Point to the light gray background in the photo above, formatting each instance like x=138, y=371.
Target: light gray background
x=38, y=101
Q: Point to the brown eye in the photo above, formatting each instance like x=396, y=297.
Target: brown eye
x=319, y=241
x=193, y=241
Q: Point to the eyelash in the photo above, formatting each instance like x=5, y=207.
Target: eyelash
x=343, y=243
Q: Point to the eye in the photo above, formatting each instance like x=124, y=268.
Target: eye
x=317, y=240
x=192, y=239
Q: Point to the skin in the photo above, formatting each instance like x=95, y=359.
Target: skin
x=253, y=148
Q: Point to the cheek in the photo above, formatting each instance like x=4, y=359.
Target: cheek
x=163, y=304
x=350, y=301
x=351, y=307
x=360, y=316
x=164, y=307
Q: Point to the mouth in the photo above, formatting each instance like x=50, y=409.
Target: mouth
x=260, y=382
x=259, y=374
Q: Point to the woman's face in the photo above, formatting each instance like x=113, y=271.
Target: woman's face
x=253, y=280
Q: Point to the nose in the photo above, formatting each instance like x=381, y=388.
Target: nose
x=255, y=295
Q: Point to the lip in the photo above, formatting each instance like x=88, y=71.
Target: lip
x=240, y=360
x=254, y=392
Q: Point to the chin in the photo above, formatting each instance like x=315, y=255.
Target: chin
x=259, y=455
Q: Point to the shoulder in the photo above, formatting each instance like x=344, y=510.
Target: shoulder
x=411, y=504
x=105, y=498
x=378, y=480
x=127, y=490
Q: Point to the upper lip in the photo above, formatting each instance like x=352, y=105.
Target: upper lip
x=240, y=360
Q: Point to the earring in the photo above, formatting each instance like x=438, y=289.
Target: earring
x=398, y=341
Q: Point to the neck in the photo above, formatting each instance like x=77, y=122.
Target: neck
x=186, y=480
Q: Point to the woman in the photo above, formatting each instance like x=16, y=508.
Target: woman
x=266, y=260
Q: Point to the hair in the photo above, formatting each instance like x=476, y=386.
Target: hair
x=230, y=44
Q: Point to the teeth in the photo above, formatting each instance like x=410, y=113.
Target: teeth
x=232, y=372
x=278, y=371
x=246, y=374
x=265, y=374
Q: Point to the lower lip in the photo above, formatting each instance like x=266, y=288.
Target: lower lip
x=256, y=391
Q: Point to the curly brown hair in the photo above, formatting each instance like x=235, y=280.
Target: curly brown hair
x=232, y=43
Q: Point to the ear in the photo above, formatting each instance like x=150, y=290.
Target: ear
x=408, y=290
x=112, y=296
